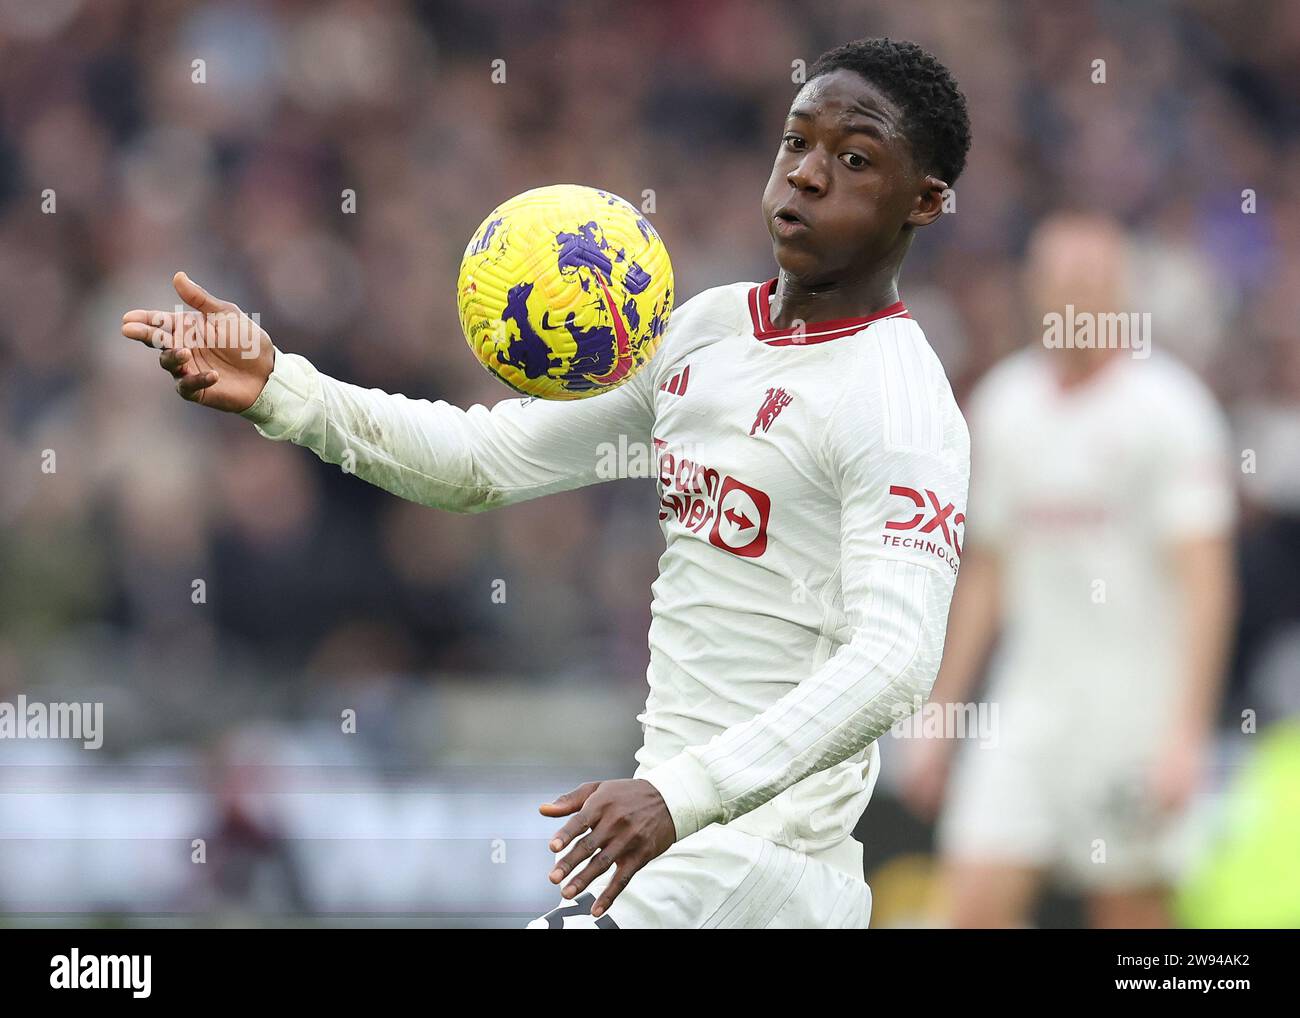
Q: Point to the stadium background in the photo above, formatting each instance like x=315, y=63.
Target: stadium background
x=222, y=719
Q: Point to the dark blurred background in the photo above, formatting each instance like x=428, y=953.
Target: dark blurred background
x=224, y=718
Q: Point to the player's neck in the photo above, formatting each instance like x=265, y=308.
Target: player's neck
x=794, y=302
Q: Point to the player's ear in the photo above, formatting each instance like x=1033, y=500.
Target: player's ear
x=929, y=203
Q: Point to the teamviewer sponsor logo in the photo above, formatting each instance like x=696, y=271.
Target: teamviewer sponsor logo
x=740, y=525
x=698, y=496
x=931, y=525
x=77, y=971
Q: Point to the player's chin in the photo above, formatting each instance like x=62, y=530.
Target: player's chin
x=797, y=258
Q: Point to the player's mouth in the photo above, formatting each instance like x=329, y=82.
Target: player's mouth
x=788, y=223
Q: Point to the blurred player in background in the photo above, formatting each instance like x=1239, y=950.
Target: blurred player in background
x=1099, y=547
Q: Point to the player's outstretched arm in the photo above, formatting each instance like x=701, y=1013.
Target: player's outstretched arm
x=429, y=452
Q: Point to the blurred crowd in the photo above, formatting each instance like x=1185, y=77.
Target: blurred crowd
x=193, y=574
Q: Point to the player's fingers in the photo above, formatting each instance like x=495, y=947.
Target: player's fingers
x=602, y=861
x=626, y=870
x=568, y=803
x=584, y=849
x=187, y=330
x=576, y=826
x=192, y=385
x=159, y=339
x=197, y=297
x=145, y=316
x=176, y=360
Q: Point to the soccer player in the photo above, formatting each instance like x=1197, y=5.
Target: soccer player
x=1100, y=548
x=812, y=465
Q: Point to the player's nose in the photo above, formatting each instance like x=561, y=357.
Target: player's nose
x=808, y=175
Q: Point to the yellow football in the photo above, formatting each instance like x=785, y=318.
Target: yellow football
x=565, y=291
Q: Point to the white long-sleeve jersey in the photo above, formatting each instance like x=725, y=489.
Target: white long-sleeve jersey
x=812, y=500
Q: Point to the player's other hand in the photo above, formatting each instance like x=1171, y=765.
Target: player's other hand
x=626, y=824
x=218, y=355
x=926, y=777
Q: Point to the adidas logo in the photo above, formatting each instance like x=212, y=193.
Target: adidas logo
x=677, y=384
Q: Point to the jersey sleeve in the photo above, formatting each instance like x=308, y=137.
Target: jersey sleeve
x=902, y=518
x=1192, y=493
x=450, y=458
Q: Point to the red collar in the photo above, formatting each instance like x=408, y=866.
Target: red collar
x=813, y=332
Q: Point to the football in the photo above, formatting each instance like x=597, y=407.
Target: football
x=564, y=292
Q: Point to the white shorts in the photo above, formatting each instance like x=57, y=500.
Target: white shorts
x=1082, y=817
x=723, y=878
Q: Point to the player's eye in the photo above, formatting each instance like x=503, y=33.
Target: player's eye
x=794, y=143
x=854, y=161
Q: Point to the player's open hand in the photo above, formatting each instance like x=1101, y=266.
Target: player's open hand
x=629, y=825
x=218, y=355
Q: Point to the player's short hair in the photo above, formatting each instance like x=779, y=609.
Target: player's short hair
x=935, y=119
